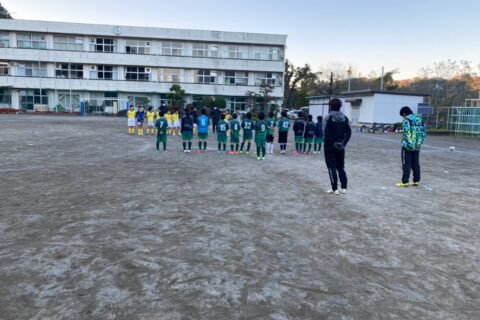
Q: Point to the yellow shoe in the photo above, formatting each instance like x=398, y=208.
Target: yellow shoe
x=414, y=184
x=402, y=185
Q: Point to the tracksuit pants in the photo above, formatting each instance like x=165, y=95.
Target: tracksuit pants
x=335, y=161
x=410, y=162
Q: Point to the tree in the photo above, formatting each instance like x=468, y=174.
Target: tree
x=4, y=14
x=294, y=78
x=265, y=95
x=212, y=102
x=251, y=99
x=176, y=94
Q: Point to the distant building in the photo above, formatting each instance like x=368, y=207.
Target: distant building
x=369, y=106
x=49, y=64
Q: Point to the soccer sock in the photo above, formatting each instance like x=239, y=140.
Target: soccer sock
x=231, y=147
x=309, y=147
x=236, y=146
x=314, y=147
x=224, y=147
x=296, y=146
x=184, y=146
x=219, y=146
x=304, y=147
x=243, y=144
x=263, y=152
x=268, y=146
x=319, y=147
x=164, y=145
x=200, y=145
x=271, y=147
x=258, y=151
x=248, y=146
x=189, y=145
x=204, y=145
x=158, y=146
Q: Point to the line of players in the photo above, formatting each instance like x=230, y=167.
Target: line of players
x=306, y=133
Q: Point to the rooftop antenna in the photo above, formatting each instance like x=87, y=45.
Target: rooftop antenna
x=381, y=80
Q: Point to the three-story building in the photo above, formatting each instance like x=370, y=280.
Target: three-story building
x=56, y=65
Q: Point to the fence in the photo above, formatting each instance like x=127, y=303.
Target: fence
x=464, y=121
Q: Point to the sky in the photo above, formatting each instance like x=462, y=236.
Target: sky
x=368, y=34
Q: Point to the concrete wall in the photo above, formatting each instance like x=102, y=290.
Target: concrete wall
x=387, y=107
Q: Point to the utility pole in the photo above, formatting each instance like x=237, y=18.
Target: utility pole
x=349, y=77
x=330, y=90
x=381, y=80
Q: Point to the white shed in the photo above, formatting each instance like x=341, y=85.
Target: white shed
x=369, y=106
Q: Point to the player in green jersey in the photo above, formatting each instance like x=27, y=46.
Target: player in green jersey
x=234, y=134
x=162, y=126
x=222, y=128
x=247, y=126
x=270, y=132
x=283, y=126
x=261, y=135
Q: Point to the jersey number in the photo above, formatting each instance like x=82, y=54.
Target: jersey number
x=248, y=125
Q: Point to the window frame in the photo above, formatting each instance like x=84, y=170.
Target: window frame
x=137, y=45
x=69, y=71
x=138, y=74
x=31, y=69
x=169, y=48
x=34, y=39
x=234, y=78
x=95, y=45
x=69, y=43
x=204, y=76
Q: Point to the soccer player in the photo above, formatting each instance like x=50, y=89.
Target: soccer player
x=176, y=122
x=187, y=132
x=162, y=127
x=140, y=119
x=222, y=128
x=308, y=134
x=298, y=129
x=270, y=132
x=202, y=130
x=283, y=126
x=234, y=134
x=260, y=135
x=317, y=143
x=168, y=117
x=150, y=120
x=247, y=126
x=131, y=115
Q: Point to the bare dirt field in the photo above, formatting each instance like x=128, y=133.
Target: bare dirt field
x=96, y=224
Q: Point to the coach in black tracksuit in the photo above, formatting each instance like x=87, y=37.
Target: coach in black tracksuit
x=337, y=134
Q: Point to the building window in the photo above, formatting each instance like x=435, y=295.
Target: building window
x=103, y=45
x=31, y=40
x=103, y=72
x=32, y=69
x=237, y=52
x=237, y=104
x=268, y=78
x=3, y=69
x=68, y=43
x=205, y=50
x=137, y=47
x=172, y=48
x=138, y=73
x=267, y=53
x=4, y=39
x=5, y=96
x=206, y=76
x=69, y=101
x=170, y=75
x=69, y=70
x=31, y=97
x=236, y=78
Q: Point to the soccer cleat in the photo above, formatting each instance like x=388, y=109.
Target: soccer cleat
x=333, y=192
x=185, y=151
x=231, y=152
x=415, y=184
x=343, y=191
x=402, y=185
x=295, y=152
x=259, y=158
x=263, y=158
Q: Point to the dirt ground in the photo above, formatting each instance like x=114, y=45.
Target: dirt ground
x=96, y=224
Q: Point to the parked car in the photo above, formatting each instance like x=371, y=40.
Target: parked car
x=293, y=114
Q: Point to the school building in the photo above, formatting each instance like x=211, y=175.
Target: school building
x=48, y=65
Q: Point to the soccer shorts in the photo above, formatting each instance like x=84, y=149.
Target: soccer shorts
x=150, y=123
x=298, y=139
x=203, y=136
x=247, y=136
x=140, y=123
x=176, y=124
x=318, y=140
x=282, y=136
x=234, y=139
x=222, y=138
x=170, y=124
x=187, y=135
x=131, y=122
x=260, y=141
x=269, y=137
x=308, y=140
x=162, y=137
